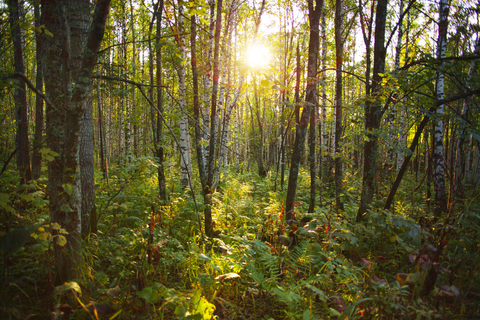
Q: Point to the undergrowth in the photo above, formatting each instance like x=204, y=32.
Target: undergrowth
x=322, y=265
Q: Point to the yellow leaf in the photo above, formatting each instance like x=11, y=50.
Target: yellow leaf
x=44, y=236
x=61, y=241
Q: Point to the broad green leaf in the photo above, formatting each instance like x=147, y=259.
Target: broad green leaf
x=150, y=294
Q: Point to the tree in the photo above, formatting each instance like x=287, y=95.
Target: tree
x=438, y=165
x=339, y=43
x=309, y=105
x=373, y=111
x=185, y=158
x=21, y=138
x=67, y=93
x=39, y=119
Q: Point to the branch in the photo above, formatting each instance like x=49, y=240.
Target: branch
x=90, y=54
x=99, y=76
x=436, y=60
x=399, y=22
x=37, y=91
x=8, y=161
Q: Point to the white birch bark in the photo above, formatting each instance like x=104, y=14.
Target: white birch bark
x=185, y=157
x=208, y=83
x=438, y=159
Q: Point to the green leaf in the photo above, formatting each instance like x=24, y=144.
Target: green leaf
x=68, y=188
x=150, y=294
x=307, y=315
x=48, y=33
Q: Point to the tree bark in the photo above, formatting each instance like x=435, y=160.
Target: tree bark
x=87, y=172
x=162, y=189
x=338, y=103
x=68, y=94
x=438, y=161
x=20, y=96
x=213, y=111
x=373, y=111
x=185, y=158
x=309, y=105
x=39, y=119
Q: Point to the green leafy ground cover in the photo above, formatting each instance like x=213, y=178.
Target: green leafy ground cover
x=148, y=261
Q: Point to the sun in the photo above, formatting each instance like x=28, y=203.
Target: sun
x=258, y=56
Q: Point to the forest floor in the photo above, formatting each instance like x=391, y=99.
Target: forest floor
x=150, y=262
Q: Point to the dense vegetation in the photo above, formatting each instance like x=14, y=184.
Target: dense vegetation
x=239, y=160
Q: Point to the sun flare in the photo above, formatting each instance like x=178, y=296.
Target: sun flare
x=258, y=56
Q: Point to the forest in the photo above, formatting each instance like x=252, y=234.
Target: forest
x=230, y=159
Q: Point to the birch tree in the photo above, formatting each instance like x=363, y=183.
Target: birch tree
x=438, y=162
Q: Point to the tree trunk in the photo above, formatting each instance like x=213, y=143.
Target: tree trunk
x=338, y=103
x=323, y=123
x=38, y=136
x=213, y=111
x=309, y=105
x=101, y=131
x=159, y=125
x=438, y=162
x=87, y=174
x=68, y=94
x=373, y=112
x=185, y=158
x=20, y=96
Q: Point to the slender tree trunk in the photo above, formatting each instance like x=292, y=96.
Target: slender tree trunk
x=338, y=103
x=185, y=158
x=196, y=104
x=310, y=103
x=373, y=112
x=159, y=125
x=438, y=162
x=87, y=172
x=208, y=82
x=20, y=96
x=213, y=111
x=323, y=123
x=101, y=130
x=134, y=71
x=38, y=136
x=392, y=112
